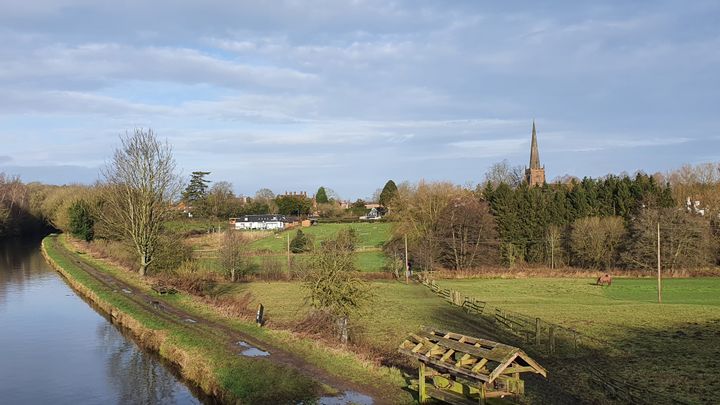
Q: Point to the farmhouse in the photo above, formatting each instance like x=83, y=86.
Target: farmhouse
x=266, y=221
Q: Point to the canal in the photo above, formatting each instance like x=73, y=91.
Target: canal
x=56, y=348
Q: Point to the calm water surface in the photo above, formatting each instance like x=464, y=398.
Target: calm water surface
x=56, y=349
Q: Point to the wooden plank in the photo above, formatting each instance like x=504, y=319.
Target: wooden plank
x=449, y=397
x=496, y=354
x=446, y=366
x=519, y=369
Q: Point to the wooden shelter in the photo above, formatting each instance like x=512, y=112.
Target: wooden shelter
x=460, y=369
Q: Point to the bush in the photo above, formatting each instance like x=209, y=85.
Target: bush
x=233, y=258
x=169, y=254
x=81, y=222
x=300, y=243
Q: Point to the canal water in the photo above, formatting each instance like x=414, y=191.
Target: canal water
x=56, y=349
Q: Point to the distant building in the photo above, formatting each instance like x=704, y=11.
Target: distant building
x=264, y=222
x=374, y=214
x=534, y=175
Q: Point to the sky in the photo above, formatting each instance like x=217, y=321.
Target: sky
x=292, y=95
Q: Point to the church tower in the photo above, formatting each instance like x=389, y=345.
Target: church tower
x=535, y=175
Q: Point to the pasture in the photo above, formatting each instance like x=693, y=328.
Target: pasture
x=673, y=346
x=267, y=245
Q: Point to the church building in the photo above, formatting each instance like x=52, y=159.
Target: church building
x=535, y=175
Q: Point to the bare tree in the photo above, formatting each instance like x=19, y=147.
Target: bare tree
x=467, y=233
x=686, y=240
x=141, y=184
x=233, y=255
x=595, y=241
x=416, y=211
x=502, y=172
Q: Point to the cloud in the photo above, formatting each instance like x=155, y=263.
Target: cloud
x=5, y=159
x=96, y=65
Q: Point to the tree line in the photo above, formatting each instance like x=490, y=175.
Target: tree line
x=603, y=223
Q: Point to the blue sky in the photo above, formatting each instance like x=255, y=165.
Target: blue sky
x=291, y=95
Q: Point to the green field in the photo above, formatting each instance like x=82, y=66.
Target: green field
x=188, y=225
x=673, y=346
x=370, y=235
x=396, y=310
x=603, y=312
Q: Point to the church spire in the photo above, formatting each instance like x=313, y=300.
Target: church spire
x=535, y=175
x=534, y=154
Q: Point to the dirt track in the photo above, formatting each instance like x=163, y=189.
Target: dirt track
x=156, y=305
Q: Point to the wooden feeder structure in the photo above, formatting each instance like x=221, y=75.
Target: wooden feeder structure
x=461, y=369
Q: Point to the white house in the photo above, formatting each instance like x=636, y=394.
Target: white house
x=262, y=222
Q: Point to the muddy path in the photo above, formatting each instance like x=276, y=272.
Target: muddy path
x=155, y=304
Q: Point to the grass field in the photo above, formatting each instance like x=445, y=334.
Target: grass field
x=370, y=235
x=604, y=312
x=395, y=311
x=674, y=346
x=369, y=256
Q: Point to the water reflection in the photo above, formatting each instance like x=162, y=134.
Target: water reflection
x=54, y=348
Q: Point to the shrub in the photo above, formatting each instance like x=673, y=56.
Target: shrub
x=300, y=243
x=81, y=221
x=235, y=263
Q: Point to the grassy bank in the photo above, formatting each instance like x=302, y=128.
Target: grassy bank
x=205, y=357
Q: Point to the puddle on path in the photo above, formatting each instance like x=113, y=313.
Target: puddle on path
x=348, y=397
x=251, y=351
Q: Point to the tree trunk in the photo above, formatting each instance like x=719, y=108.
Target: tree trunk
x=144, y=263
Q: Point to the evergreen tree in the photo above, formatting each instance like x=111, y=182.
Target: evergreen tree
x=81, y=221
x=321, y=196
x=300, y=243
x=388, y=193
x=197, y=188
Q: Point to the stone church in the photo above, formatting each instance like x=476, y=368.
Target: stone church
x=535, y=174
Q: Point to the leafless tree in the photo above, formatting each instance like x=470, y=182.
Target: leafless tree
x=233, y=256
x=467, y=233
x=416, y=212
x=685, y=240
x=595, y=241
x=503, y=172
x=141, y=184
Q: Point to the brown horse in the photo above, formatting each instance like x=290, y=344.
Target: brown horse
x=604, y=280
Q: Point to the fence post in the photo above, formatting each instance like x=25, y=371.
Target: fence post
x=575, y=343
x=551, y=339
x=537, y=331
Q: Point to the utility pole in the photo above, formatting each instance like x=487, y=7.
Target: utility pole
x=659, y=275
x=407, y=267
x=288, y=252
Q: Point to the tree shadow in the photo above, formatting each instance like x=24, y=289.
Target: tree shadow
x=646, y=365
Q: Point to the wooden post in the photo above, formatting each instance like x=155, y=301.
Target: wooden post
x=552, y=252
x=551, y=339
x=260, y=316
x=288, y=253
x=659, y=275
x=407, y=266
x=422, y=390
x=537, y=331
x=575, y=342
